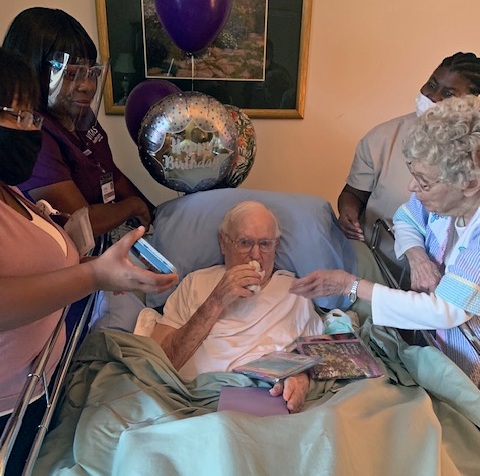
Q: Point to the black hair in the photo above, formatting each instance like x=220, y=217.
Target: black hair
x=37, y=33
x=467, y=65
x=17, y=81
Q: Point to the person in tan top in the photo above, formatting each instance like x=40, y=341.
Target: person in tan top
x=378, y=180
x=377, y=183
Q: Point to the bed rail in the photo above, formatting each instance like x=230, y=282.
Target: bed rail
x=52, y=395
x=14, y=423
x=380, y=226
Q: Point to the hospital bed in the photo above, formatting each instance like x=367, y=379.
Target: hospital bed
x=126, y=411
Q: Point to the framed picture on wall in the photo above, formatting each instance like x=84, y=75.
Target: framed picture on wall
x=263, y=51
x=239, y=52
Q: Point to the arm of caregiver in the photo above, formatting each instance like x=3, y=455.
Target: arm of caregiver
x=351, y=204
x=28, y=298
x=390, y=307
x=103, y=216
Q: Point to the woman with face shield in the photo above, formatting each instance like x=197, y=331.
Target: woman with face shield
x=39, y=265
x=75, y=167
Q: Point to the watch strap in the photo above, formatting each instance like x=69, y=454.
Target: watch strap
x=352, y=295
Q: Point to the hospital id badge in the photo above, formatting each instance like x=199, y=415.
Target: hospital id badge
x=108, y=188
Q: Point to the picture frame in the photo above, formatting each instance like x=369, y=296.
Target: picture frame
x=121, y=37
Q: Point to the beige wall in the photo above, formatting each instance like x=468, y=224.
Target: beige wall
x=368, y=58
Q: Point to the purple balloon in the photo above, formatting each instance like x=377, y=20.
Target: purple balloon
x=142, y=97
x=193, y=24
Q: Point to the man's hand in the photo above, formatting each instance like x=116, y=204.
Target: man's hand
x=233, y=285
x=294, y=391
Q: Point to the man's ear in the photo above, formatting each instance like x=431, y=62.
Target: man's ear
x=221, y=241
x=472, y=188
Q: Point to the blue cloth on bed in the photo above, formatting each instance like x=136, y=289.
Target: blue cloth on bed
x=186, y=232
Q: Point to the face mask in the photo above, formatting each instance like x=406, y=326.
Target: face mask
x=422, y=103
x=18, y=153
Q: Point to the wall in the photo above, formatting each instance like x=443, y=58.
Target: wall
x=367, y=62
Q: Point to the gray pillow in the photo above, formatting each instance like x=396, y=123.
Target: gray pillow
x=186, y=232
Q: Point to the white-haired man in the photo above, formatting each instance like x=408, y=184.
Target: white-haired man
x=227, y=315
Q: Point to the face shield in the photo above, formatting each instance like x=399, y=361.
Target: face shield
x=75, y=90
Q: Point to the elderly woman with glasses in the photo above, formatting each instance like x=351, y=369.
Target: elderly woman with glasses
x=438, y=229
x=227, y=315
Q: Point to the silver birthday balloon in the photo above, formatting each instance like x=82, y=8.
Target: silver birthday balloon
x=187, y=142
x=246, y=149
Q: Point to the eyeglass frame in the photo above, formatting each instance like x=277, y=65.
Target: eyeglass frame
x=34, y=118
x=425, y=186
x=252, y=243
x=80, y=72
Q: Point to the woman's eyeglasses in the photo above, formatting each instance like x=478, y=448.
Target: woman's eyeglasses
x=82, y=73
x=245, y=245
x=424, y=185
x=25, y=119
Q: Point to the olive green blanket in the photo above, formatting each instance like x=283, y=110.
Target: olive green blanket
x=127, y=412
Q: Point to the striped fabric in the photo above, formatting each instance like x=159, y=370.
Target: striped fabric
x=460, y=285
x=456, y=346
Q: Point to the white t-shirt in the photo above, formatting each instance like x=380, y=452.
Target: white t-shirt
x=268, y=321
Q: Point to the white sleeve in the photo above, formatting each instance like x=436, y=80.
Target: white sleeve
x=412, y=310
x=406, y=237
x=176, y=311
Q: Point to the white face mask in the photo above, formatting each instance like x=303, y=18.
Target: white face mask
x=422, y=103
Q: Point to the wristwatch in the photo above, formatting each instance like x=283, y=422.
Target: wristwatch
x=352, y=296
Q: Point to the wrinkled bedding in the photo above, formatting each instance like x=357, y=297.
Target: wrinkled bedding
x=126, y=412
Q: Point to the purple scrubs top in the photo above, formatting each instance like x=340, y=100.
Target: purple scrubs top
x=65, y=157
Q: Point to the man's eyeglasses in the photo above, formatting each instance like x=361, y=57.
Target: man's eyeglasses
x=424, y=185
x=25, y=119
x=245, y=245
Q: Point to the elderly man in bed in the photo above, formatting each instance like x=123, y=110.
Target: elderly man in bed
x=227, y=315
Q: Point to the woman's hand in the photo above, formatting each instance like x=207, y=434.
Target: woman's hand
x=323, y=282
x=115, y=271
x=351, y=203
x=294, y=391
x=350, y=225
x=424, y=273
x=139, y=210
